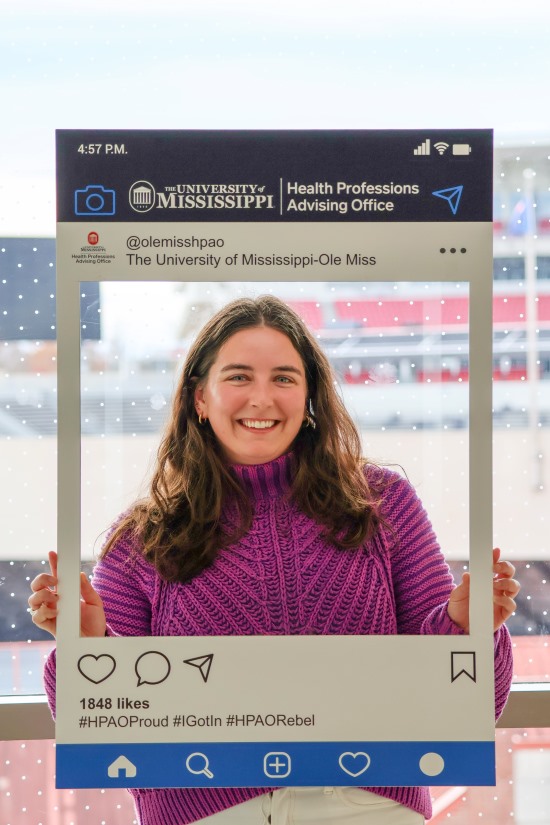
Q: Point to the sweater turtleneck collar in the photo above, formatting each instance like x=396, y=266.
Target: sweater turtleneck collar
x=271, y=480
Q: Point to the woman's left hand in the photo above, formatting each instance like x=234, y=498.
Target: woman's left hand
x=505, y=590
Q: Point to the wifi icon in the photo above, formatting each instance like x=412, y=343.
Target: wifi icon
x=441, y=147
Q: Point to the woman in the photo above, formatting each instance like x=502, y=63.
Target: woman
x=263, y=518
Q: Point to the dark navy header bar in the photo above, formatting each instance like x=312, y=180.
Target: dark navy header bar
x=281, y=176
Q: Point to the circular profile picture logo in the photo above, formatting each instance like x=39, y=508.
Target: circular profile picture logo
x=142, y=196
x=93, y=238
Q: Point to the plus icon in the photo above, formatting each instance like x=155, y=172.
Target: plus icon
x=277, y=764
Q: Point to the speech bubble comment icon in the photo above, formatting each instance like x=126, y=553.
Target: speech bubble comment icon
x=354, y=764
x=152, y=668
x=96, y=668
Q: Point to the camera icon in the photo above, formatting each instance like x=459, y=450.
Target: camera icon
x=94, y=200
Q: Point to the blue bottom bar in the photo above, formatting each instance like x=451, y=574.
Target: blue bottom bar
x=253, y=764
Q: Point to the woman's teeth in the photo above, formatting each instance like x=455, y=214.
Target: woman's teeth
x=257, y=425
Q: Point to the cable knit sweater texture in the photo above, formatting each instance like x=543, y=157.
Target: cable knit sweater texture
x=282, y=578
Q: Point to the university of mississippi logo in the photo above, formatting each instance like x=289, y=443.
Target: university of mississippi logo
x=142, y=196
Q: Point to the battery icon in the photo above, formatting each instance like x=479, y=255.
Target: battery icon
x=461, y=148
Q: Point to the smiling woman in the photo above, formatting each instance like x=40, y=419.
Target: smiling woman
x=254, y=386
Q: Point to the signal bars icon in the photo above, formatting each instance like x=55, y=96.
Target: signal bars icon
x=424, y=148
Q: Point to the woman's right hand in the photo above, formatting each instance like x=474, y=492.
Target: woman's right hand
x=44, y=603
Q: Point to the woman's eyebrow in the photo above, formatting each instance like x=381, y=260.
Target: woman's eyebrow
x=229, y=367
x=288, y=368
x=282, y=368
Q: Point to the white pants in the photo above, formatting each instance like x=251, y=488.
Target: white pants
x=317, y=806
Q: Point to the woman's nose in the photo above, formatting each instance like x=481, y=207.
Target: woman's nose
x=260, y=394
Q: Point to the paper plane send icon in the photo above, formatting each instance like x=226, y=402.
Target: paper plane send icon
x=203, y=663
x=451, y=195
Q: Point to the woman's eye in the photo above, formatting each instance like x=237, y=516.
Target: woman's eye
x=237, y=378
x=284, y=379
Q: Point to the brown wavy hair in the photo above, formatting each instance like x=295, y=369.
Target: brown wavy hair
x=179, y=523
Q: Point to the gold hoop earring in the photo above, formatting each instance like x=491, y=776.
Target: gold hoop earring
x=202, y=420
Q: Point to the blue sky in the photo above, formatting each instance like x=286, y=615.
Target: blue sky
x=240, y=64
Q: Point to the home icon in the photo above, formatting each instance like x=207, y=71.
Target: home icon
x=121, y=767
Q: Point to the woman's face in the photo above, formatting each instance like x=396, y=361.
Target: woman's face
x=255, y=395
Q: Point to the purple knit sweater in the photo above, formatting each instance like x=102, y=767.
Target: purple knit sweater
x=283, y=578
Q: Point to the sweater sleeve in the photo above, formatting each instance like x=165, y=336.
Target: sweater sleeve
x=422, y=581
x=49, y=680
x=421, y=578
x=126, y=584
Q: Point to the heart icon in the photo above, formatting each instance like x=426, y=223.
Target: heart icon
x=354, y=763
x=96, y=668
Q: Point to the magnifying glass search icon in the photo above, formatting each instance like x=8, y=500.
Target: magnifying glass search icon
x=197, y=763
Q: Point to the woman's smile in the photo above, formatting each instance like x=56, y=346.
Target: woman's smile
x=255, y=424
